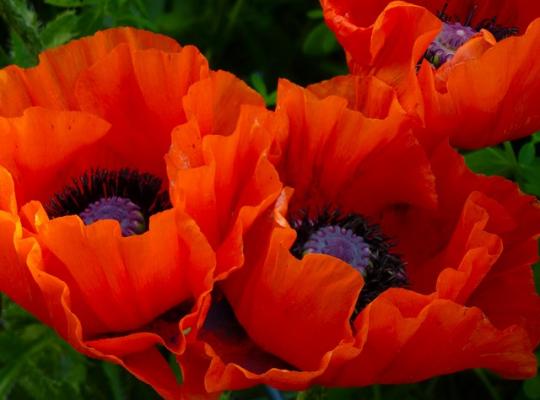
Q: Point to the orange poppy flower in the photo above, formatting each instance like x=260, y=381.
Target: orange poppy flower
x=230, y=186
x=404, y=269
x=477, y=79
x=89, y=242
x=453, y=241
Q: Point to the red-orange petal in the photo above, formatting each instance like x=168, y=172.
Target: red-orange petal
x=275, y=291
x=488, y=99
x=116, y=89
x=15, y=250
x=477, y=248
x=406, y=337
x=215, y=102
x=114, y=283
x=367, y=94
x=42, y=148
x=51, y=84
x=331, y=154
x=388, y=45
x=235, y=184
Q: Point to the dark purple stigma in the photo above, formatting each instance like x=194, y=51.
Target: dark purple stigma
x=341, y=243
x=352, y=239
x=125, y=195
x=128, y=214
x=458, y=30
x=450, y=39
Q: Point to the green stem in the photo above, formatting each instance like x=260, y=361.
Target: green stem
x=273, y=394
x=431, y=387
x=233, y=17
x=20, y=18
x=1, y=311
x=377, y=392
x=487, y=384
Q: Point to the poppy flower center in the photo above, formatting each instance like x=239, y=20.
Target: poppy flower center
x=450, y=39
x=455, y=33
x=125, y=195
x=353, y=240
x=341, y=243
x=128, y=214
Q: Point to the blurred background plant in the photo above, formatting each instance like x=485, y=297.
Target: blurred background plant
x=260, y=41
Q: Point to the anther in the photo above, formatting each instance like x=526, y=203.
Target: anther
x=355, y=241
x=125, y=195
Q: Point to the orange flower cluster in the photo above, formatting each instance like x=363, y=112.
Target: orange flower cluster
x=477, y=81
x=152, y=209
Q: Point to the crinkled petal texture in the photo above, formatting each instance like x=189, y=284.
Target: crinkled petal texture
x=109, y=296
x=107, y=102
x=223, y=180
x=332, y=153
x=493, y=94
x=468, y=242
x=135, y=80
x=479, y=244
x=486, y=95
x=471, y=301
x=231, y=188
x=518, y=13
x=367, y=94
x=278, y=301
x=386, y=42
x=52, y=83
x=241, y=340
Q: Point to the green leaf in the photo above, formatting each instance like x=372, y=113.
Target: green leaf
x=154, y=7
x=60, y=30
x=90, y=20
x=491, y=161
x=529, y=177
x=316, y=13
x=137, y=21
x=528, y=173
x=20, y=55
x=34, y=362
x=314, y=393
x=24, y=31
x=536, y=274
x=112, y=372
x=531, y=387
x=320, y=41
x=70, y=3
x=271, y=99
x=175, y=367
x=20, y=353
x=527, y=153
x=258, y=84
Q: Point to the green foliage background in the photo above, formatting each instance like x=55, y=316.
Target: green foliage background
x=259, y=41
